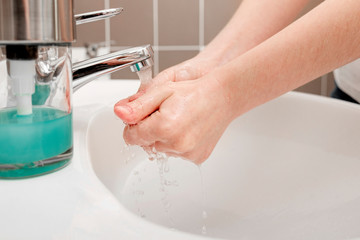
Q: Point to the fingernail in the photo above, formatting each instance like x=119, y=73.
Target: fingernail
x=124, y=109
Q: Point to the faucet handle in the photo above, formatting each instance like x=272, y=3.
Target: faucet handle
x=97, y=15
x=92, y=49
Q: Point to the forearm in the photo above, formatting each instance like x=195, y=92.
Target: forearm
x=253, y=22
x=324, y=39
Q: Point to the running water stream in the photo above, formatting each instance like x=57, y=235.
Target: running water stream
x=204, y=213
x=167, y=191
x=145, y=76
x=162, y=161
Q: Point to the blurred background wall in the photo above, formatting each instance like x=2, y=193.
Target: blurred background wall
x=177, y=30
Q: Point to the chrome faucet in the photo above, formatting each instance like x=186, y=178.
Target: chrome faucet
x=138, y=58
x=51, y=22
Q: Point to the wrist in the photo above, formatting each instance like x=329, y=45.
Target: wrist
x=220, y=85
x=234, y=84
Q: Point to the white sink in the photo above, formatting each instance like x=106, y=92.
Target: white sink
x=289, y=169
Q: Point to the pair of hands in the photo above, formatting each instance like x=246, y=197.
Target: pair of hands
x=182, y=112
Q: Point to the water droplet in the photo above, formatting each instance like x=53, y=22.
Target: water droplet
x=139, y=193
x=166, y=203
x=204, y=214
x=153, y=149
x=170, y=183
x=203, y=230
x=166, y=168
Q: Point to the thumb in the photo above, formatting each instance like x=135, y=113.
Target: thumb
x=132, y=112
x=168, y=75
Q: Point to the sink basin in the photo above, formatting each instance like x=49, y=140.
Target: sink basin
x=289, y=169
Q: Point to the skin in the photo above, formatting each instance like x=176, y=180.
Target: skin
x=235, y=74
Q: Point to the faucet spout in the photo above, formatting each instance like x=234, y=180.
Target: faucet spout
x=137, y=59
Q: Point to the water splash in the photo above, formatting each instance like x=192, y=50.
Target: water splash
x=138, y=194
x=125, y=153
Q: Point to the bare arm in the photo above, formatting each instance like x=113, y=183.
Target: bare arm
x=189, y=117
x=253, y=22
x=324, y=39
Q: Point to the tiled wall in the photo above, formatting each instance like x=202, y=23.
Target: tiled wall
x=177, y=30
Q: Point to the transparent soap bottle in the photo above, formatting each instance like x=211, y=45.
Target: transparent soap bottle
x=37, y=79
x=35, y=109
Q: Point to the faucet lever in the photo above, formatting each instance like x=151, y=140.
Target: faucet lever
x=97, y=15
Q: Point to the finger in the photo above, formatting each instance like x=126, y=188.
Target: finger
x=164, y=147
x=136, y=95
x=145, y=133
x=149, y=149
x=132, y=137
x=197, y=155
x=132, y=112
x=167, y=75
x=180, y=72
x=123, y=101
x=129, y=99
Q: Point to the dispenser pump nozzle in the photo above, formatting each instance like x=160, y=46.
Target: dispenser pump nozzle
x=21, y=61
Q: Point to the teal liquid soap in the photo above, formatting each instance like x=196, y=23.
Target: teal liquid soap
x=26, y=140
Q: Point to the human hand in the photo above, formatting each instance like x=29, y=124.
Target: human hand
x=183, y=119
x=191, y=69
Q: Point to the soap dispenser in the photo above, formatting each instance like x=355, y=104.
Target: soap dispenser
x=36, y=81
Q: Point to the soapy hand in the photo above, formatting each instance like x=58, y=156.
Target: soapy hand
x=180, y=118
x=191, y=69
